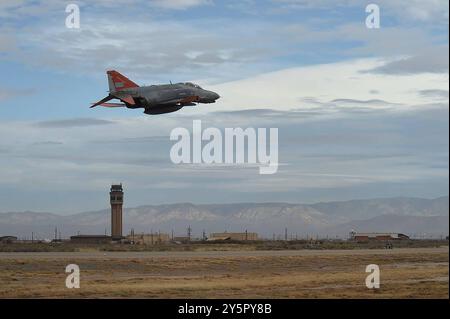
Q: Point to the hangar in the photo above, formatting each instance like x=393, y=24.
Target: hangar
x=377, y=236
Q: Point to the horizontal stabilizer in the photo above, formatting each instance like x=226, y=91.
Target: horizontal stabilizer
x=106, y=99
x=111, y=105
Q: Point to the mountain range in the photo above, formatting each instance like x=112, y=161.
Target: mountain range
x=416, y=217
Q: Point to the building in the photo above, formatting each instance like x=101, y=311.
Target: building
x=377, y=236
x=116, y=199
x=233, y=236
x=90, y=239
x=8, y=239
x=148, y=239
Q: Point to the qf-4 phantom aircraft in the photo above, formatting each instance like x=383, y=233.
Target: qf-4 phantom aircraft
x=154, y=99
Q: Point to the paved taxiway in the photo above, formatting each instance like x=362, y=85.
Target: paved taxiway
x=216, y=254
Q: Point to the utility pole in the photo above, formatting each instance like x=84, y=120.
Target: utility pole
x=204, y=235
x=285, y=234
x=56, y=233
x=172, y=234
x=189, y=230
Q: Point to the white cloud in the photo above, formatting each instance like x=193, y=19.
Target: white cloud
x=288, y=89
x=179, y=4
x=327, y=154
x=435, y=11
x=434, y=60
x=22, y=8
x=414, y=10
x=7, y=43
x=342, y=110
x=207, y=48
x=9, y=93
x=148, y=50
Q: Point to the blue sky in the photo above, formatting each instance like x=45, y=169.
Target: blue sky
x=362, y=112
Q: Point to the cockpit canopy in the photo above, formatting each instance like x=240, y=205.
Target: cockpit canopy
x=192, y=85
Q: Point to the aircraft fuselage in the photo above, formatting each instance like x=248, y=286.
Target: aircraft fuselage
x=154, y=99
x=167, y=95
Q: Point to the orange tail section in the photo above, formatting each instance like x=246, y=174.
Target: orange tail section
x=119, y=81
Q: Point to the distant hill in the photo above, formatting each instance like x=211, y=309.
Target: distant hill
x=368, y=208
x=407, y=215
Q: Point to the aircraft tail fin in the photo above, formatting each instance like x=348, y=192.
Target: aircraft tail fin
x=119, y=81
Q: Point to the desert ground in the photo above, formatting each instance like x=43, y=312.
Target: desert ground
x=405, y=273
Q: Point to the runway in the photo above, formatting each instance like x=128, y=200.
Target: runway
x=216, y=254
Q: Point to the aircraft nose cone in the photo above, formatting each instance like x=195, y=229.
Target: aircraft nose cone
x=215, y=96
x=209, y=97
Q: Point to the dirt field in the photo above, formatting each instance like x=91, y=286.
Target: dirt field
x=405, y=273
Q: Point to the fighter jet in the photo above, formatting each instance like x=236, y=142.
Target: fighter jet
x=154, y=99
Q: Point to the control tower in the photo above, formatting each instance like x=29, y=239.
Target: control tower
x=116, y=199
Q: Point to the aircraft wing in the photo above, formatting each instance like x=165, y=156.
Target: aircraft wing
x=189, y=100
